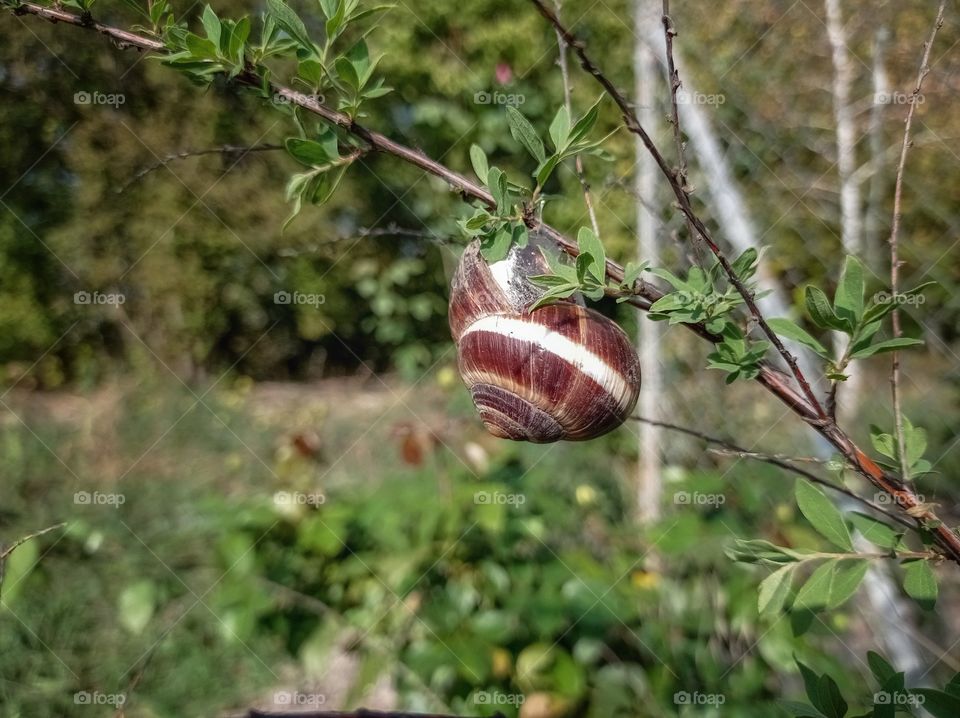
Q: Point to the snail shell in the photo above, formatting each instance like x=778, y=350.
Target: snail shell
x=562, y=371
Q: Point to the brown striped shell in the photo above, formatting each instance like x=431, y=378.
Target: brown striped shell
x=559, y=372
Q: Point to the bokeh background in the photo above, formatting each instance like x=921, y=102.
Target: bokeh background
x=276, y=503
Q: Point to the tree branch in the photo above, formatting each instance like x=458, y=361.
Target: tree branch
x=237, y=150
x=669, y=33
x=802, y=402
x=784, y=462
x=895, y=248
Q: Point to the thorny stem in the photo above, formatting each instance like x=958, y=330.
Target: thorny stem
x=784, y=462
x=567, y=101
x=803, y=403
x=895, y=248
x=681, y=172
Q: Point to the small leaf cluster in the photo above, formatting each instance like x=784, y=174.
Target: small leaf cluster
x=588, y=276
x=837, y=574
x=891, y=698
x=851, y=314
x=915, y=445
x=345, y=78
x=516, y=204
x=221, y=51
x=704, y=296
x=327, y=168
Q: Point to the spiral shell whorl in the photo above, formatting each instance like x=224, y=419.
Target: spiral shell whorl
x=560, y=372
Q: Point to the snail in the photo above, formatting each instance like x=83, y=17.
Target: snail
x=561, y=371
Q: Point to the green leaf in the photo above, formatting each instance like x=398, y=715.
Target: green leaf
x=876, y=532
x=591, y=246
x=211, y=25
x=308, y=152
x=848, y=299
x=811, y=683
x=920, y=583
x=883, y=442
x=585, y=123
x=745, y=266
x=545, y=169
x=914, y=440
x=815, y=593
x=674, y=280
x=787, y=328
x=560, y=129
x=822, y=514
x=820, y=311
x=496, y=246
x=880, y=668
x=847, y=576
x=889, y=345
x=774, y=590
x=497, y=182
x=136, y=606
x=524, y=133
x=831, y=702
x=938, y=703
x=291, y=23
x=478, y=158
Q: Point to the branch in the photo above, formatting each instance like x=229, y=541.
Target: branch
x=6, y=551
x=681, y=172
x=779, y=460
x=895, y=249
x=237, y=150
x=801, y=402
x=578, y=160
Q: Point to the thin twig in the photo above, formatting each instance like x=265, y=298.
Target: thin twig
x=783, y=462
x=568, y=103
x=187, y=154
x=5, y=553
x=391, y=230
x=670, y=32
x=774, y=381
x=895, y=248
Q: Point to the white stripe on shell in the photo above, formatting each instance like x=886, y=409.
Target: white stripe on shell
x=559, y=345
